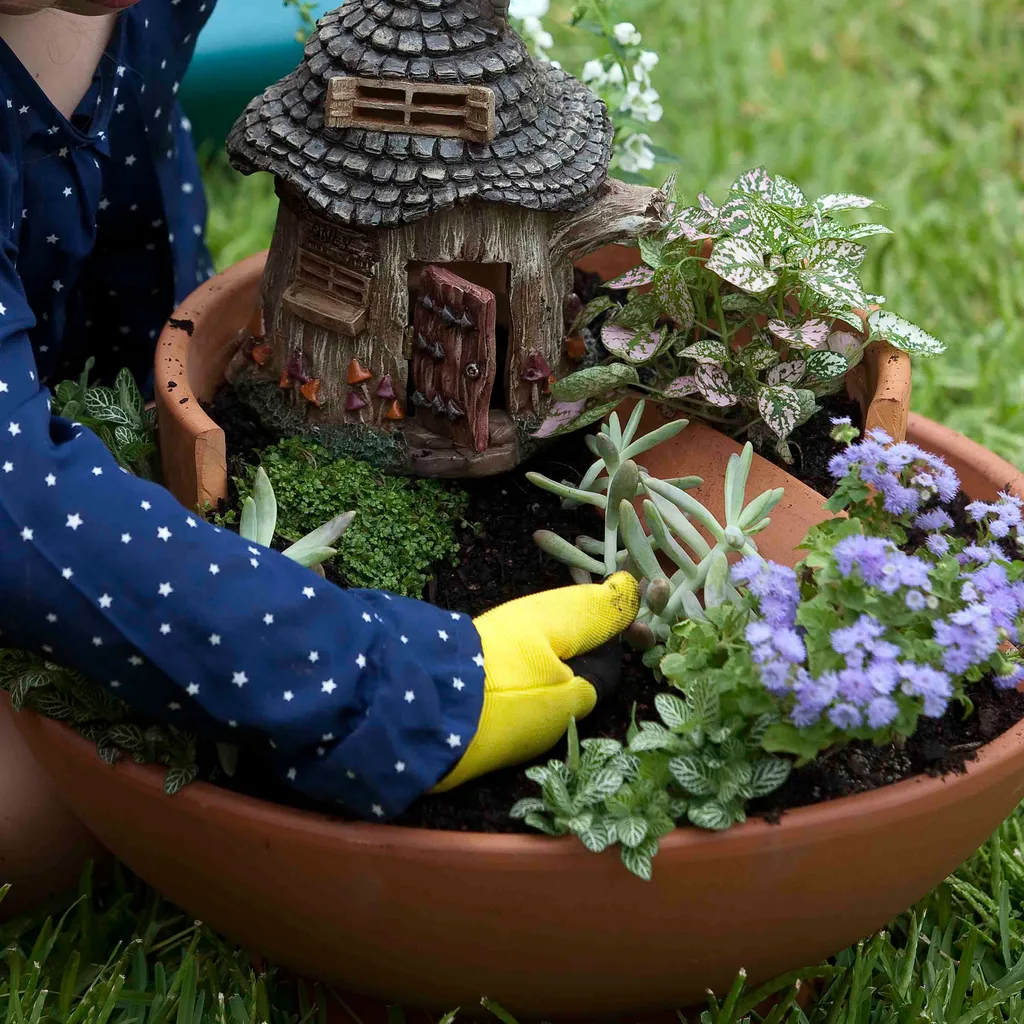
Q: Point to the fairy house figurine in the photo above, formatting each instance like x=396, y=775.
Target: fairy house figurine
x=436, y=184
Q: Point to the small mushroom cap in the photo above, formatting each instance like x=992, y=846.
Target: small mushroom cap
x=354, y=401
x=385, y=389
x=357, y=373
x=395, y=411
x=311, y=391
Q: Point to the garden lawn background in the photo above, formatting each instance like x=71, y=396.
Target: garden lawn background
x=917, y=103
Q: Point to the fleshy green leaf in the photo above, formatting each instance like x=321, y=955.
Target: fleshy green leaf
x=903, y=334
x=779, y=408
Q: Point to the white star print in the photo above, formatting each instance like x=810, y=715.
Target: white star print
x=97, y=471
x=145, y=505
x=114, y=684
x=97, y=641
x=174, y=706
x=51, y=480
x=458, y=683
x=14, y=428
x=119, y=109
x=130, y=160
x=253, y=551
x=74, y=521
x=190, y=523
x=367, y=617
x=3, y=387
x=328, y=686
x=254, y=562
x=288, y=695
x=268, y=619
x=47, y=648
x=214, y=568
x=232, y=723
x=67, y=191
x=121, y=70
x=320, y=751
x=454, y=741
x=442, y=634
x=404, y=639
x=106, y=601
x=214, y=640
x=193, y=689
x=51, y=618
x=350, y=774
x=308, y=591
x=327, y=737
x=456, y=616
x=166, y=590
x=314, y=655
x=126, y=538
x=361, y=661
x=187, y=187
x=164, y=534
x=239, y=679
x=52, y=239
x=67, y=573
x=399, y=767
x=479, y=661
x=409, y=696
x=8, y=467
x=378, y=810
x=103, y=204
x=135, y=661
x=27, y=534
x=291, y=774
x=63, y=151
x=165, y=628
x=22, y=110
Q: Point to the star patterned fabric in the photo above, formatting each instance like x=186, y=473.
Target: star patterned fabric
x=357, y=697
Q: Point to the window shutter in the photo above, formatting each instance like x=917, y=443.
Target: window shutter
x=449, y=111
x=329, y=294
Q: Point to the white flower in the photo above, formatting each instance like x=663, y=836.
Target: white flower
x=615, y=74
x=636, y=155
x=626, y=33
x=528, y=8
x=648, y=59
x=593, y=71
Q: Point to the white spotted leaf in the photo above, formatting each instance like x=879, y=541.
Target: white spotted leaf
x=808, y=334
x=707, y=350
x=739, y=263
x=673, y=298
x=756, y=181
x=791, y=372
x=788, y=193
x=681, y=387
x=714, y=385
x=835, y=201
x=780, y=408
x=826, y=365
x=634, y=278
x=626, y=343
x=594, y=381
x=836, y=283
x=904, y=335
x=837, y=248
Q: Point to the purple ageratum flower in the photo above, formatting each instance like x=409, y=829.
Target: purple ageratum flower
x=937, y=544
x=1012, y=679
x=933, y=686
x=841, y=421
x=845, y=716
x=898, y=500
x=882, y=650
x=977, y=510
x=878, y=435
x=934, y=519
x=855, y=687
x=775, y=677
x=883, y=676
x=882, y=711
x=758, y=632
x=746, y=569
x=813, y=696
x=969, y=636
x=868, y=554
x=975, y=553
x=775, y=586
x=999, y=529
x=915, y=600
x=846, y=639
x=790, y=646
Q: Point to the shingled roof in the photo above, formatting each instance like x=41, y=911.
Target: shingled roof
x=552, y=139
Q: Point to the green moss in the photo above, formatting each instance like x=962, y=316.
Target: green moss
x=404, y=529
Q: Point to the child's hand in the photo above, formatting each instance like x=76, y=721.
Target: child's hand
x=530, y=693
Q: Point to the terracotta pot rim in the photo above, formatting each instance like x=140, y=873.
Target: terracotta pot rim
x=801, y=821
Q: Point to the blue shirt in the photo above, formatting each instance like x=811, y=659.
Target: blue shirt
x=356, y=696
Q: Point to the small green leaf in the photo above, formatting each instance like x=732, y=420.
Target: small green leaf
x=710, y=815
x=674, y=712
x=738, y=262
x=790, y=372
x=779, y=408
x=835, y=201
x=705, y=351
x=768, y=775
x=826, y=365
x=787, y=193
x=102, y=404
x=692, y=774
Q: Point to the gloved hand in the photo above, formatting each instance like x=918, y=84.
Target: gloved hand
x=530, y=694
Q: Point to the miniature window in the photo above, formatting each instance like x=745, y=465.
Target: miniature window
x=329, y=294
x=452, y=111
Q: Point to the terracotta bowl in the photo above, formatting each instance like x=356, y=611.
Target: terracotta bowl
x=198, y=343
x=43, y=845
x=435, y=919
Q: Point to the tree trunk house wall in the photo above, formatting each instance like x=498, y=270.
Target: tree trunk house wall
x=471, y=233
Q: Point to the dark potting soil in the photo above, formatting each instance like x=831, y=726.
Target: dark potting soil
x=500, y=562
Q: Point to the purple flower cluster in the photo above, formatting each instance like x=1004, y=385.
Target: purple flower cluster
x=1001, y=517
x=904, y=474
x=881, y=564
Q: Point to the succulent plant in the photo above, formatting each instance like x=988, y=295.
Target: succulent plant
x=672, y=516
x=259, y=523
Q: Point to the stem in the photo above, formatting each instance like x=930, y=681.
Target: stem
x=720, y=313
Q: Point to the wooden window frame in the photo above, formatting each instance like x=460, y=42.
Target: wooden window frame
x=414, y=108
x=328, y=294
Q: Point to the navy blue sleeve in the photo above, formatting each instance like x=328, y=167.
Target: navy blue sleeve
x=363, y=697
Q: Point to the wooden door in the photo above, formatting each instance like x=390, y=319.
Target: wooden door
x=453, y=360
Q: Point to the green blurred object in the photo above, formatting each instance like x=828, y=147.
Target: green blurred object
x=246, y=46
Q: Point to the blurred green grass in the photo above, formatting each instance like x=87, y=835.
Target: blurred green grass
x=918, y=103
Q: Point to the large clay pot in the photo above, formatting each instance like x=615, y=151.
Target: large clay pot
x=43, y=845
x=199, y=341
x=436, y=919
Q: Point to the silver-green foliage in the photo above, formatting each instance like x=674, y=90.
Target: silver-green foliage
x=781, y=272
x=259, y=524
x=95, y=713
x=672, y=515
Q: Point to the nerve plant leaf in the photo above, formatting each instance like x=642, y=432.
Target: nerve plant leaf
x=738, y=262
x=903, y=334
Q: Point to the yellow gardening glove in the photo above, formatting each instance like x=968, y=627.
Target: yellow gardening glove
x=530, y=694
